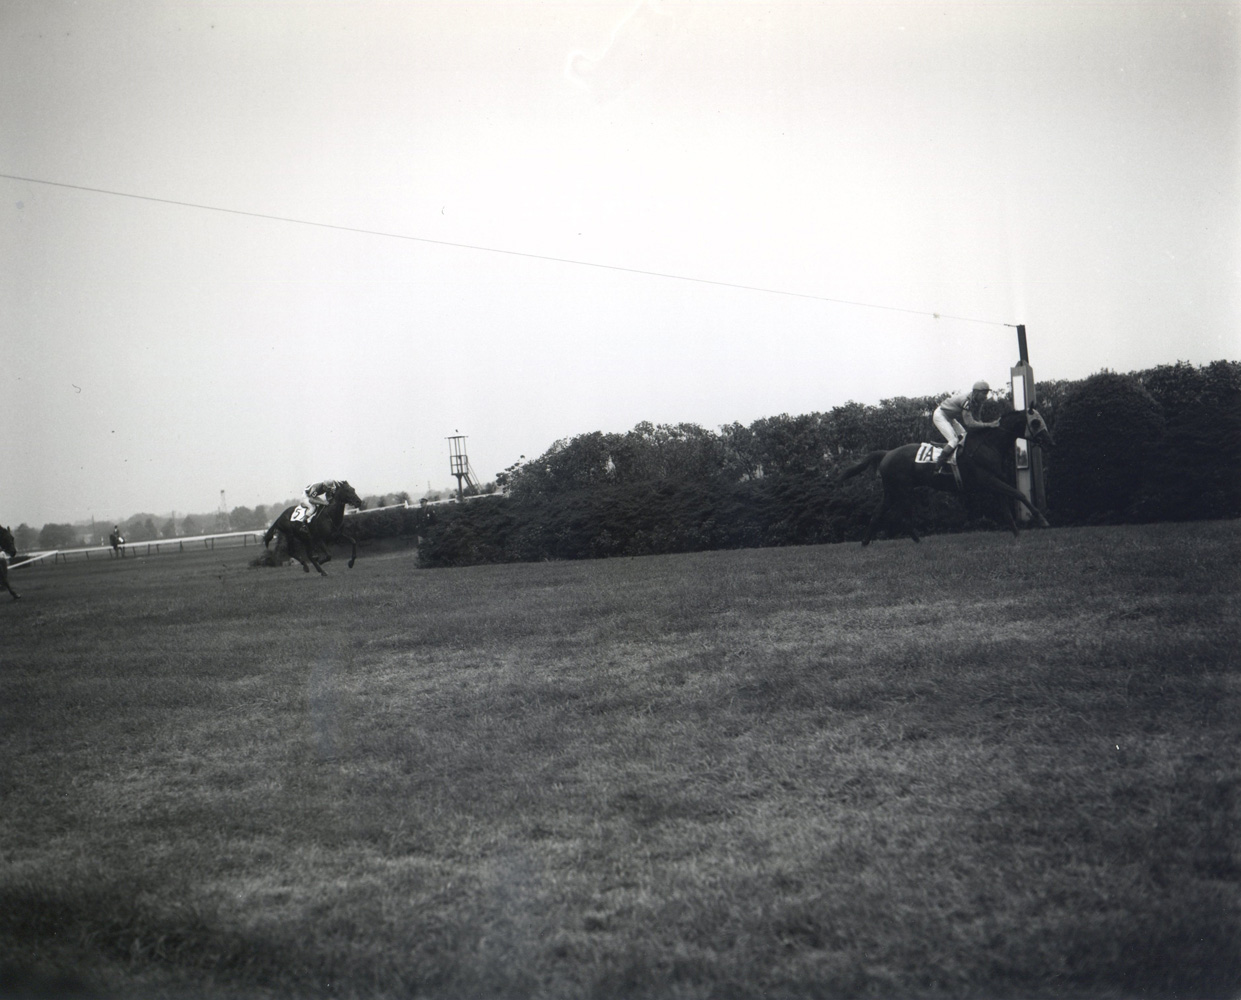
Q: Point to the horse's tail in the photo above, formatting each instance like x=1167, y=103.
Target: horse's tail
x=267, y=537
x=868, y=464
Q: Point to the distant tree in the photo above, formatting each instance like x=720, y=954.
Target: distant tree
x=25, y=537
x=785, y=445
x=58, y=536
x=904, y=419
x=191, y=525
x=168, y=529
x=1174, y=387
x=740, y=461
x=505, y=480
x=846, y=429
x=245, y=519
x=260, y=518
x=139, y=528
x=1223, y=382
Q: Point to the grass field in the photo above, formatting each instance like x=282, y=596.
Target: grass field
x=970, y=768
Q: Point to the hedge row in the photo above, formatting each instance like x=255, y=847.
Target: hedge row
x=1157, y=445
x=648, y=519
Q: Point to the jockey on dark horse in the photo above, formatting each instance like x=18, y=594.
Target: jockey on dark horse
x=318, y=496
x=303, y=532
x=957, y=414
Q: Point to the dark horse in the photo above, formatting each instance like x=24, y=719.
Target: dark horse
x=980, y=460
x=10, y=549
x=325, y=529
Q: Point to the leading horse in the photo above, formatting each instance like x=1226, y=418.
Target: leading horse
x=10, y=550
x=326, y=528
x=980, y=461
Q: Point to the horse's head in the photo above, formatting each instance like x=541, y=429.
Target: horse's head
x=1037, y=430
x=348, y=495
x=6, y=542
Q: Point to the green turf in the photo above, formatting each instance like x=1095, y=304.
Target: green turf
x=970, y=768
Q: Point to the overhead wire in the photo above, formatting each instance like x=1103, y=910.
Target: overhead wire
x=500, y=250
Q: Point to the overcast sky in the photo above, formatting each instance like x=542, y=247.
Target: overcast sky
x=244, y=246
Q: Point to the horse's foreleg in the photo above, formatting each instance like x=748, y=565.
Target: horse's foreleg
x=310, y=554
x=353, y=542
x=994, y=484
x=875, y=518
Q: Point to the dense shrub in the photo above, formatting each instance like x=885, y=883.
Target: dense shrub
x=1106, y=429
x=392, y=523
x=1195, y=473
x=658, y=518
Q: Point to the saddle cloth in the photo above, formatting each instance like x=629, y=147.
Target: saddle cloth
x=301, y=515
x=928, y=453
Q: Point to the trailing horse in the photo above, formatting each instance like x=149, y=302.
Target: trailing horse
x=10, y=550
x=324, y=529
x=980, y=461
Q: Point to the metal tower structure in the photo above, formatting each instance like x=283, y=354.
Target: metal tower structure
x=459, y=465
x=221, y=514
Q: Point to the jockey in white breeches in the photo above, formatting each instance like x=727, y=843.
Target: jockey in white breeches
x=319, y=494
x=956, y=414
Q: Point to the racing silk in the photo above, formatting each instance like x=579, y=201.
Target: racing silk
x=317, y=493
x=955, y=407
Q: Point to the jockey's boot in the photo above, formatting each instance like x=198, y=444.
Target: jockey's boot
x=944, y=455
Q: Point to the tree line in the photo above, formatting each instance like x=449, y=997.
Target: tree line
x=145, y=527
x=1164, y=443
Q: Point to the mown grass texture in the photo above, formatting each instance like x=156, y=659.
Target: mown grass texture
x=967, y=768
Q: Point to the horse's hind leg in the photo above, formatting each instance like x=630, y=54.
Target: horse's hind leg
x=907, y=512
x=299, y=550
x=875, y=518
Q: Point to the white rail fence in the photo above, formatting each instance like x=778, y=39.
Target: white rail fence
x=156, y=546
